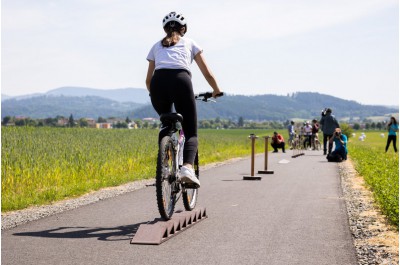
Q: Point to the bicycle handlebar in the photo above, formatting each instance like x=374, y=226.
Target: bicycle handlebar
x=207, y=95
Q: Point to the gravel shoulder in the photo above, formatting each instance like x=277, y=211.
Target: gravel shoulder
x=375, y=240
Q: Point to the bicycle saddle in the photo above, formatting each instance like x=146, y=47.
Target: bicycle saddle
x=172, y=117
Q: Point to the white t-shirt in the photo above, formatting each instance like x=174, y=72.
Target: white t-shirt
x=308, y=129
x=179, y=56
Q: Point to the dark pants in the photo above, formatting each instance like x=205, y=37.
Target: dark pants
x=334, y=157
x=390, y=139
x=173, y=87
x=276, y=146
x=326, y=139
x=338, y=155
x=307, y=141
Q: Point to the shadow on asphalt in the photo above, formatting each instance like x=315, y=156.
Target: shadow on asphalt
x=119, y=233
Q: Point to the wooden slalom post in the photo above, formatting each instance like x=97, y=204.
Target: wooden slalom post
x=266, y=171
x=253, y=138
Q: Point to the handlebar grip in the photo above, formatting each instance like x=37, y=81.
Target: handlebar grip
x=210, y=94
x=205, y=95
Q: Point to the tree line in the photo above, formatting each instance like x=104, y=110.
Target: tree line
x=217, y=123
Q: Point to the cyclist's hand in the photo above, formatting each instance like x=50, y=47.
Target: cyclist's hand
x=217, y=93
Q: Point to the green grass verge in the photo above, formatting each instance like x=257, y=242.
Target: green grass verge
x=380, y=171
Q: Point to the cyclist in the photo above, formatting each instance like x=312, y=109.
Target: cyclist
x=315, y=130
x=169, y=83
x=292, y=133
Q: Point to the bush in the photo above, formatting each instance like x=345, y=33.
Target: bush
x=346, y=129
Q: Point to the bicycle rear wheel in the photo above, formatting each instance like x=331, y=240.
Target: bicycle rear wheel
x=189, y=196
x=318, y=146
x=166, y=178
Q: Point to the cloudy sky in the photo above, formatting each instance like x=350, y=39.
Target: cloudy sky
x=344, y=48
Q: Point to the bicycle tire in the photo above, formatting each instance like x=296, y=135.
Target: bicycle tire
x=165, y=178
x=189, y=196
x=318, y=146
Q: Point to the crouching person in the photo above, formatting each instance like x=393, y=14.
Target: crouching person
x=340, y=152
x=278, y=142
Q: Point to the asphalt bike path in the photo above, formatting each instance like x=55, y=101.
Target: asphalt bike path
x=295, y=216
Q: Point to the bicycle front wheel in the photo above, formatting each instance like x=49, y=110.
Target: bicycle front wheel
x=166, y=178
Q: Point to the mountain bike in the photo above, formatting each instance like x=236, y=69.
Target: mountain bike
x=170, y=159
x=316, y=143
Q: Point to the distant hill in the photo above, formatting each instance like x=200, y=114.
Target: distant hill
x=86, y=102
x=79, y=107
x=303, y=105
x=137, y=95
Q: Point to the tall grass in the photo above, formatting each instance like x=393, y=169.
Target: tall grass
x=380, y=171
x=42, y=165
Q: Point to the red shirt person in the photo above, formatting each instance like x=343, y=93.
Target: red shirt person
x=278, y=142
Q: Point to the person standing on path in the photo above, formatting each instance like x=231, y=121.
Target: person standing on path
x=292, y=133
x=169, y=82
x=328, y=124
x=307, y=135
x=393, y=128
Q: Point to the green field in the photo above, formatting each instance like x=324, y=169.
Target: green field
x=42, y=165
x=379, y=169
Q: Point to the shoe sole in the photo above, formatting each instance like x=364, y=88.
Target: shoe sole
x=189, y=182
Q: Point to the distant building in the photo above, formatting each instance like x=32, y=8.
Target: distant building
x=91, y=122
x=152, y=120
x=62, y=122
x=104, y=125
x=132, y=125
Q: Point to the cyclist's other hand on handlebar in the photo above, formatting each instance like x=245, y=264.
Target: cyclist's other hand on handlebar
x=217, y=93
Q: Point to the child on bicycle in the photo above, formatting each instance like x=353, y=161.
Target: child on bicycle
x=169, y=83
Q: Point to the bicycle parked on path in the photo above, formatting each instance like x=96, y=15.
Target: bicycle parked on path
x=316, y=143
x=169, y=187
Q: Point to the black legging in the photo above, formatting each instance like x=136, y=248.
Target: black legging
x=326, y=141
x=173, y=87
x=307, y=140
x=391, y=138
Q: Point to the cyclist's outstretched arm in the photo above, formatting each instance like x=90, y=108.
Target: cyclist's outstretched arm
x=150, y=71
x=199, y=58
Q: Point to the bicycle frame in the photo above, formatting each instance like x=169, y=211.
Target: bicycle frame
x=169, y=189
x=170, y=159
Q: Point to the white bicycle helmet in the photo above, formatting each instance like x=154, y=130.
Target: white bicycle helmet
x=175, y=17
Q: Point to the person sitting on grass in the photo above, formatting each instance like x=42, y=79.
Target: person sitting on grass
x=340, y=152
x=278, y=142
